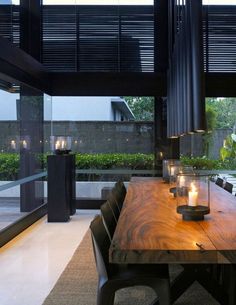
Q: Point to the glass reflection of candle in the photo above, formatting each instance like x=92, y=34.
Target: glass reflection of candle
x=192, y=196
x=181, y=180
x=13, y=144
x=24, y=144
x=224, y=143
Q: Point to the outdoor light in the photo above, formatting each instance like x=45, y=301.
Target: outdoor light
x=193, y=196
x=166, y=167
x=61, y=145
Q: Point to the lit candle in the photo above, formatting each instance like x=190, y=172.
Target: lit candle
x=13, y=144
x=57, y=145
x=181, y=180
x=172, y=171
x=62, y=144
x=224, y=144
x=24, y=144
x=192, y=196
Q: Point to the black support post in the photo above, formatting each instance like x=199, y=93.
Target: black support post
x=61, y=187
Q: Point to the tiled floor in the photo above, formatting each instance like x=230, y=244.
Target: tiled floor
x=31, y=263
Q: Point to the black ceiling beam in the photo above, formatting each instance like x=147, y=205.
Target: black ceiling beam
x=220, y=84
x=18, y=65
x=108, y=84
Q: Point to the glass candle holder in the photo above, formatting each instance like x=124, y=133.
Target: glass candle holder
x=174, y=171
x=60, y=145
x=193, y=196
x=24, y=142
x=166, y=168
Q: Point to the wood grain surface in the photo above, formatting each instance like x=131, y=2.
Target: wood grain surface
x=149, y=229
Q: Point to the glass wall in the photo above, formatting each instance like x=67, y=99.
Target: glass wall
x=22, y=166
x=215, y=150
x=112, y=137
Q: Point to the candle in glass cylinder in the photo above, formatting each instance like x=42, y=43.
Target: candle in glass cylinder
x=57, y=145
x=13, y=144
x=192, y=196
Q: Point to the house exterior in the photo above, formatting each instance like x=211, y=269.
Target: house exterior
x=105, y=108
x=66, y=108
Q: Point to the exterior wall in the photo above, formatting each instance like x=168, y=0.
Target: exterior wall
x=64, y=108
x=112, y=137
x=81, y=108
x=92, y=137
x=218, y=137
x=106, y=137
x=8, y=105
x=193, y=144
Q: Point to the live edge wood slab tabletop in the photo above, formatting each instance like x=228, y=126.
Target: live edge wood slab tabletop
x=149, y=229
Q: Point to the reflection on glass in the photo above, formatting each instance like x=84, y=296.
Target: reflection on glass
x=107, y=140
x=21, y=151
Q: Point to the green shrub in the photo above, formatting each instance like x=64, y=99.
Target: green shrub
x=208, y=164
x=110, y=161
x=10, y=162
x=9, y=166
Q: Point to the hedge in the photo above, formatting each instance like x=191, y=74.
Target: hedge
x=9, y=162
x=208, y=164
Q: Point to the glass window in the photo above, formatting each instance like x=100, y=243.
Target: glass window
x=108, y=141
x=215, y=150
x=22, y=161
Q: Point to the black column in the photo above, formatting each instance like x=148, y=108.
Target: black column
x=30, y=116
x=30, y=108
x=61, y=187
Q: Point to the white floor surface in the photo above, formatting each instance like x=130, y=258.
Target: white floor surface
x=32, y=262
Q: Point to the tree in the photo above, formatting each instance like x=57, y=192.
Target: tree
x=225, y=109
x=142, y=107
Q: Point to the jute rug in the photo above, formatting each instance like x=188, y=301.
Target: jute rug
x=78, y=283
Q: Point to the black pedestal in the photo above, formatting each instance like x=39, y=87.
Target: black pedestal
x=61, y=187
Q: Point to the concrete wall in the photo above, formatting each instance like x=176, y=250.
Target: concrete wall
x=193, y=144
x=106, y=137
x=113, y=137
x=91, y=137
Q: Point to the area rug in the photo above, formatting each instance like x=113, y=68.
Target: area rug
x=78, y=283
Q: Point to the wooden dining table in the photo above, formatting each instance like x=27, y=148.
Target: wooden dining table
x=150, y=231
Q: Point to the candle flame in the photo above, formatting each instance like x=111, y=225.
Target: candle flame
x=193, y=187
